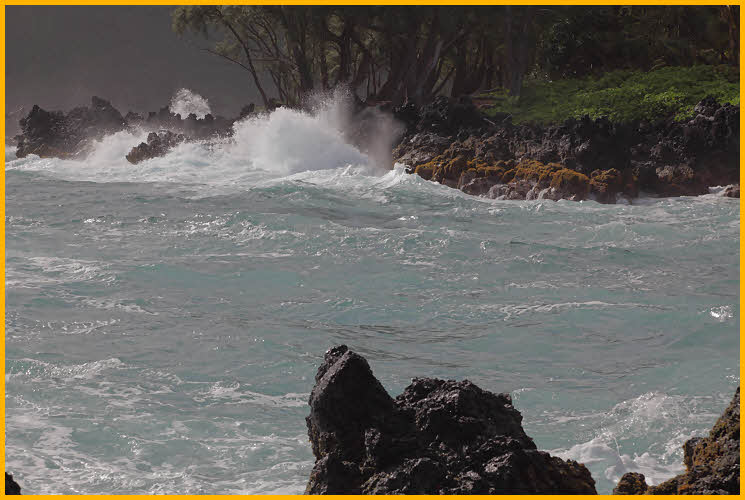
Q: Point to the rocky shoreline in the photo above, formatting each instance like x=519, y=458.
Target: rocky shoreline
x=452, y=142
x=454, y=438
x=71, y=135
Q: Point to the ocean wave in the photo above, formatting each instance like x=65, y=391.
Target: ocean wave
x=662, y=421
x=263, y=147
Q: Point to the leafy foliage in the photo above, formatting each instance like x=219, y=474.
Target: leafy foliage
x=592, y=40
x=622, y=96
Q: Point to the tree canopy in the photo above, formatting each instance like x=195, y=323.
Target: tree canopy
x=398, y=53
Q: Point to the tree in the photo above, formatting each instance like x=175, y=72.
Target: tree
x=203, y=19
x=399, y=53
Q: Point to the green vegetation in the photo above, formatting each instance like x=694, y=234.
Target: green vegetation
x=622, y=96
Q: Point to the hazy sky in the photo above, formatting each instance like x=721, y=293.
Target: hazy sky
x=58, y=57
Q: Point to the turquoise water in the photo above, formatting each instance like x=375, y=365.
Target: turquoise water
x=164, y=321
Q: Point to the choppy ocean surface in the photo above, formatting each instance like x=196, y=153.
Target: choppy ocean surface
x=164, y=321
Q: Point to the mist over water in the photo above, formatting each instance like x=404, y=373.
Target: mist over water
x=164, y=321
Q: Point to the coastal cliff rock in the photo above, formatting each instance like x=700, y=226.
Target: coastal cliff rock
x=11, y=487
x=712, y=463
x=438, y=436
x=158, y=144
x=666, y=159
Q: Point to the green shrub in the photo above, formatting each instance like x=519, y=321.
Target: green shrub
x=622, y=96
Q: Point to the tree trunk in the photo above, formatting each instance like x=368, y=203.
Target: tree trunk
x=294, y=20
x=323, y=65
x=732, y=14
x=517, y=48
x=249, y=59
x=345, y=55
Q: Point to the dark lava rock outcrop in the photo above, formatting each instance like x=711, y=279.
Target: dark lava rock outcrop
x=56, y=134
x=618, y=160
x=437, y=437
x=11, y=487
x=158, y=144
x=70, y=135
x=191, y=127
x=443, y=116
x=712, y=463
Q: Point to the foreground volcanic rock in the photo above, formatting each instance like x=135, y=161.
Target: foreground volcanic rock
x=438, y=437
x=575, y=160
x=11, y=487
x=712, y=463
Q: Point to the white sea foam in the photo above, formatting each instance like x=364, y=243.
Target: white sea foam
x=38, y=271
x=31, y=369
x=722, y=313
x=221, y=393
x=664, y=422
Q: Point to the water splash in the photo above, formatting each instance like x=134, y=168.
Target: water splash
x=185, y=102
x=288, y=141
x=657, y=421
x=264, y=147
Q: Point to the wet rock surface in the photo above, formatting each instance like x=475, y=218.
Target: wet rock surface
x=620, y=160
x=712, y=463
x=11, y=487
x=437, y=437
x=158, y=144
x=632, y=483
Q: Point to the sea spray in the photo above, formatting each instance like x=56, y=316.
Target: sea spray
x=617, y=447
x=263, y=146
x=288, y=141
x=371, y=130
x=185, y=102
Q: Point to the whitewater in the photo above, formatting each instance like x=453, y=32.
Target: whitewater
x=165, y=320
